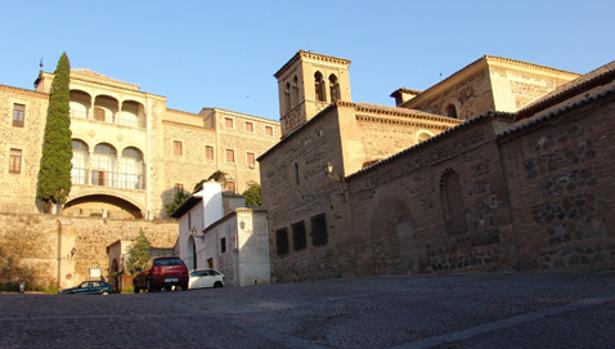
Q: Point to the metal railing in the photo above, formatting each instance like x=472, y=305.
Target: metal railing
x=110, y=179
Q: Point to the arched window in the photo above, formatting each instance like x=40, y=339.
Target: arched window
x=295, y=92
x=131, y=169
x=286, y=105
x=452, y=203
x=191, y=260
x=451, y=111
x=79, y=162
x=334, y=87
x=319, y=87
x=103, y=165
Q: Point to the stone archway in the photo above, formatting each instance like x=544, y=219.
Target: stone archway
x=392, y=237
x=101, y=205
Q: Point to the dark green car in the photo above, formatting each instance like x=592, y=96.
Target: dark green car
x=90, y=287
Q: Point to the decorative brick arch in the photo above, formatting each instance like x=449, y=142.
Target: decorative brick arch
x=453, y=206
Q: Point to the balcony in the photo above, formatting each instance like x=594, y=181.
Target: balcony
x=115, y=180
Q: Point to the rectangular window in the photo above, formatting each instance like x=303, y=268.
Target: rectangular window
x=299, y=240
x=209, y=152
x=15, y=161
x=281, y=241
x=230, y=156
x=249, y=127
x=269, y=131
x=251, y=160
x=319, y=229
x=229, y=123
x=178, y=148
x=222, y=245
x=19, y=114
x=229, y=186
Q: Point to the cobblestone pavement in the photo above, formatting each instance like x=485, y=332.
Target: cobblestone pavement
x=486, y=310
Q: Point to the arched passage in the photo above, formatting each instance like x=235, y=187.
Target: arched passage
x=114, y=275
x=191, y=261
x=392, y=237
x=102, y=205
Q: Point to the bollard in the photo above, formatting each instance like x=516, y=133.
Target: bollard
x=22, y=287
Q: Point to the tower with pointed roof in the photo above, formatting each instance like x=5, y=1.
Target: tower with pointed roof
x=307, y=84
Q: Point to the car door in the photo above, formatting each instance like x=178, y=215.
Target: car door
x=208, y=279
x=83, y=288
x=95, y=287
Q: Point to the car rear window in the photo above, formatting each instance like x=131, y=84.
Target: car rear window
x=168, y=261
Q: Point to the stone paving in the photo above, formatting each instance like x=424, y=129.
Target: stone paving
x=478, y=310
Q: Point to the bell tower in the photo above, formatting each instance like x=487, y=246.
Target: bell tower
x=307, y=84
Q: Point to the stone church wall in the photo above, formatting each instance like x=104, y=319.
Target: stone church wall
x=560, y=176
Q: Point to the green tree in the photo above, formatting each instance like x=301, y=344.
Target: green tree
x=54, y=182
x=217, y=176
x=179, y=197
x=253, y=195
x=138, y=255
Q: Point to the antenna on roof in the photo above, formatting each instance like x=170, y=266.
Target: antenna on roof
x=40, y=64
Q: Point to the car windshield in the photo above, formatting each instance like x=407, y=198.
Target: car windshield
x=168, y=261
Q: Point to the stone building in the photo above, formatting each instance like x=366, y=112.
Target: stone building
x=503, y=165
x=130, y=152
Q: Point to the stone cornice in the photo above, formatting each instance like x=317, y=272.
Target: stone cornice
x=310, y=55
x=390, y=121
x=24, y=91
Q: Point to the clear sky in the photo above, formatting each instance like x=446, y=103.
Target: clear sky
x=223, y=53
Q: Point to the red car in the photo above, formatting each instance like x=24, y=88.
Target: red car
x=162, y=272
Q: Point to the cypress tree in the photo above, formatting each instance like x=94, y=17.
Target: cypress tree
x=54, y=177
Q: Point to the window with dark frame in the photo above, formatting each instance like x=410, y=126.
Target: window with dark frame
x=15, y=161
x=249, y=127
x=222, y=245
x=281, y=241
x=19, y=114
x=299, y=238
x=319, y=229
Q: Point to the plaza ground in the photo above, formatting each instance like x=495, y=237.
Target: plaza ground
x=471, y=310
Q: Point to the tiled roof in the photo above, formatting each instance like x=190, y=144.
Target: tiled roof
x=452, y=130
x=599, y=76
x=368, y=108
x=24, y=91
x=313, y=55
x=549, y=113
x=485, y=58
x=405, y=90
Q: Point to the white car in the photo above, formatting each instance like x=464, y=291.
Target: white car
x=205, y=278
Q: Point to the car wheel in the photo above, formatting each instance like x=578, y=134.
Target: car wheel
x=149, y=286
x=217, y=284
x=185, y=287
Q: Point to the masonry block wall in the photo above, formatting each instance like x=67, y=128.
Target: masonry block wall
x=58, y=249
x=560, y=176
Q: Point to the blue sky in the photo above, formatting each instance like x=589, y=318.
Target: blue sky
x=223, y=54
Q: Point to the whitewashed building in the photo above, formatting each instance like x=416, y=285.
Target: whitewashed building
x=215, y=231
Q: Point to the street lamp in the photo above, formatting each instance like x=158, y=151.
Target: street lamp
x=328, y=168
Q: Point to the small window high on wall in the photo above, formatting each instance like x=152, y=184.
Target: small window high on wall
x=451, y=111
